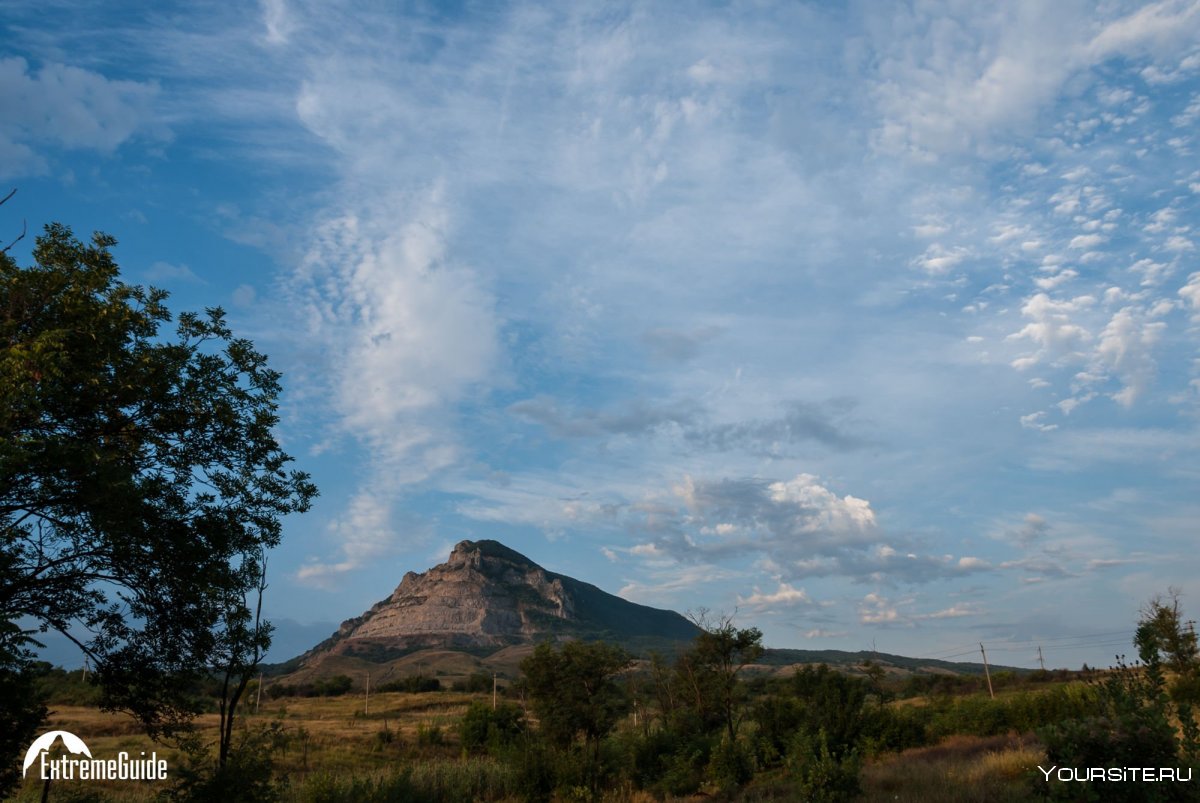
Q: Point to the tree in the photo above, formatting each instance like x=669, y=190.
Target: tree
x=709, y=670
x=574, y=692
x=140, y=482
x=1145, y=713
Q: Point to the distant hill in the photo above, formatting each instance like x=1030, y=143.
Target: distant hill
x=485, y=608
x=843, y=659
x=486, y=597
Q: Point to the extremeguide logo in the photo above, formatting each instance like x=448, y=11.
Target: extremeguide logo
x=68, y=768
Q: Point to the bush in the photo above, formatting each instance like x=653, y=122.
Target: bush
x=247, y=775
x=335, y=686
x=482, y=726
x=821, y=776
x=413, y=684
x=731, y=765
x=430, y=735
x=475, y=683
x=1142, y=719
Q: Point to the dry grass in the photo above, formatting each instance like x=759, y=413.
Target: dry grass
x=324, y=735
x=961, y=768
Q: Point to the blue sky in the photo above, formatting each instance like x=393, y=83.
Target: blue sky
x=875, y=323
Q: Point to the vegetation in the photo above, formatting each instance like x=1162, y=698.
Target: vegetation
x=126, y=454
x=587, y=724
x=1145, y=715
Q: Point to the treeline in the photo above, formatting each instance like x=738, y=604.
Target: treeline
x=337, y=685
x=696, y=723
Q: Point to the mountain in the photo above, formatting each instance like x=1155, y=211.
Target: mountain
x=486, y=597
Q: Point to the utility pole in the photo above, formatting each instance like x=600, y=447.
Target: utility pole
x=1041, y=663
x=493, y=691
x=987, y=671
x=258, y=701
x=367, y=703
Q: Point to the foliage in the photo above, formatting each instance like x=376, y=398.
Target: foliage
x=24, y=707
x=1142, y=719
x=707, y=674
x=731, y=765
x=822, y=775
x=430, y=735
x=246, y=775
x=58, y=686
x=126, y=456
x=482, y=726
x=424, y=782
x=412, y=684
x=574, y=691
x=476, y=682
x=333, y=686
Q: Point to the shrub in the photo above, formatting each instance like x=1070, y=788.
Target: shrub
x=413, y=684
x=821, y=776
x=731, y=765
x=482, y=726
x=246, y=776
x=1142, y=719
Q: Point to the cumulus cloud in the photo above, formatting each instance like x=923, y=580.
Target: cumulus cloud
x=875, y=609
x=1190, y=293
x=1126, y=348
x=67, y=107
x=1053, y=329
x=784, y=595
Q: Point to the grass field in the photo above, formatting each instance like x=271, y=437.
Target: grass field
x=334, y=750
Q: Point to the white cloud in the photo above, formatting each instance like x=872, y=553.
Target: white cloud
x=784, y=595
x=826, y=510
x=404, y=332
x=1052, y=329
x=1126, y=348
x=938, y=259
x=875, y=609
x=954, y=82
x=67, y=107
x=277, y=21
x=166, y=272
x=1190, y=293
x=244, y=295
x=1081, y=241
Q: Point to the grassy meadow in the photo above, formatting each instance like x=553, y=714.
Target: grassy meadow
x=407, y=747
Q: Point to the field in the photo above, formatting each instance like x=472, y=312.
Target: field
x=329, y=749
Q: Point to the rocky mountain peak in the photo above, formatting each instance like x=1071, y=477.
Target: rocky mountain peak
x=488, y=595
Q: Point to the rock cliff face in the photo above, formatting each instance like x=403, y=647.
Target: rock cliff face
x=487, y=596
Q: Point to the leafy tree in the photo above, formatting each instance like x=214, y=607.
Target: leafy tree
x=708, y=672
x=140, y=482
x=1144, y=717
x=484, y=726
x=574, y=690
x=574, y=693
x=22, y=708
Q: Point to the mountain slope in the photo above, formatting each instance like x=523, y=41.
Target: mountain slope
x=487, y=596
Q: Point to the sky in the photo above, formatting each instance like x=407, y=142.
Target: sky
x=874, y=325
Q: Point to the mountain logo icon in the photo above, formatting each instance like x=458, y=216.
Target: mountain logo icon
x=44, y=742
